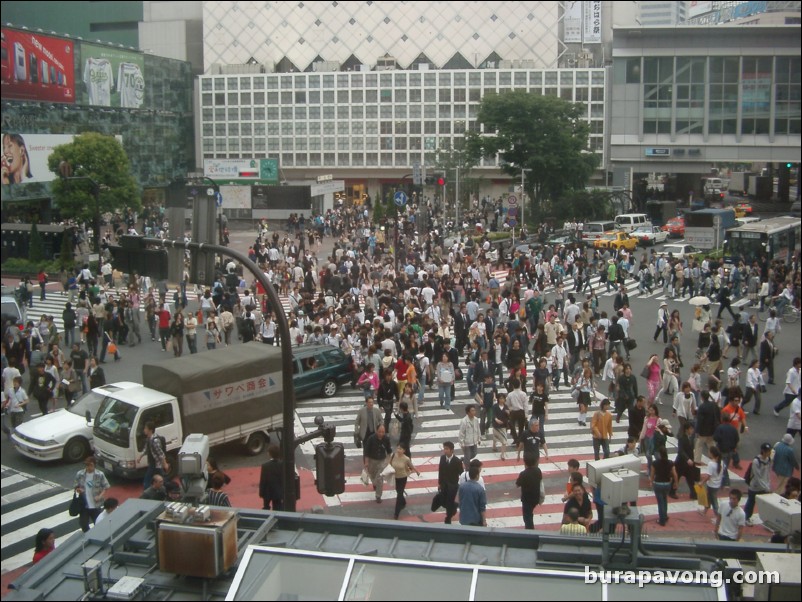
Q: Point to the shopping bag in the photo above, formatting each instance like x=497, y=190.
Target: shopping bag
x=112, y=348
x=77, y=504
x=701, y=495
x=388, y=474
x=365, y=477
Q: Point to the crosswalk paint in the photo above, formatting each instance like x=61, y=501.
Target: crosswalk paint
x=28, y=505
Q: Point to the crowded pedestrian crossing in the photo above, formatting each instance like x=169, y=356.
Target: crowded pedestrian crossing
x=565, y=438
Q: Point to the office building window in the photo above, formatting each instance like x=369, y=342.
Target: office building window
x=787, y=94
x=658, y=81
x=756, y=81
x=724, y=75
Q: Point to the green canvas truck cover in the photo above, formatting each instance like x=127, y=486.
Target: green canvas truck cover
x=224, y=388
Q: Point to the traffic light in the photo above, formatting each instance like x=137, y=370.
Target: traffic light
x=789, y=165
x=330, y=464
x=441, y=180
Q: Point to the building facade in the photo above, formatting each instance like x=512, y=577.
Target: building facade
x=683, y=100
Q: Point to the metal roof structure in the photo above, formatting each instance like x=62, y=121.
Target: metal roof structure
x=279, y=555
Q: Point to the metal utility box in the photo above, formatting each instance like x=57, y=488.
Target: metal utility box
x=597, y=469
x=619, y=487
x=204, y=549
x=779, y=514
x=787, y=565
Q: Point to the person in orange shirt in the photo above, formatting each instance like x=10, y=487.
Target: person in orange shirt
x=402, y=366
x=601, y=425
x=734, y=409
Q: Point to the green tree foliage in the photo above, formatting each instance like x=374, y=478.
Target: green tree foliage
x=544, y=134
x=36, y=250
x=379, y=211
x=99, y=158
x=582, y=205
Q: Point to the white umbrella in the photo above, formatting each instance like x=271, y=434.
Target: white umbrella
x=699, y=300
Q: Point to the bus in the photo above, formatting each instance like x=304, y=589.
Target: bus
x=773, y=238
x=706, y=229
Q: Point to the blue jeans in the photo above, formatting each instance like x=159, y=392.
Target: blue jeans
x=421, y=386
x=604, y=444
x=445, y=395
x=661, y=493
x=751, y=497
x=712, y=492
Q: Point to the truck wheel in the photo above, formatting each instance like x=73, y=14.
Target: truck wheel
x=329, y=388
x=76, y=450
x=256, y=443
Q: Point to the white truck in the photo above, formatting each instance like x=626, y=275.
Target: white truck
x=739, y=182
x=231, y=394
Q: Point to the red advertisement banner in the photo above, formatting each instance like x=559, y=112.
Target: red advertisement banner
x=37, y=67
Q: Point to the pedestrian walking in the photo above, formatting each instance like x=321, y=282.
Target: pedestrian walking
x=530, y=481
x=91, y=485
x=375, y=454
x=403, y=467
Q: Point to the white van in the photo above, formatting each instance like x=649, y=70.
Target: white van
x=594, y=230
x=630, y=222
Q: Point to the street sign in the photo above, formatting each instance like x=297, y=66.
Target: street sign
x=417, y=178
x=400, y=198
x=512, y=222
x=512, y=211
x=512, y=200
x=218, y=199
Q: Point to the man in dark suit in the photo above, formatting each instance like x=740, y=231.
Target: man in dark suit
x=750, y=338
x=461, y=325
x=271, y=480
x=453, y=357
x=483, y=367
x=448, y=479
x=490, y=324
x=576, y=343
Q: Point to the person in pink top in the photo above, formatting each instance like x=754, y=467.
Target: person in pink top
x=369, y=381
x=652, y=373
x=647, y=434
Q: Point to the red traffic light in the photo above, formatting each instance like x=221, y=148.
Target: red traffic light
x=441, y=181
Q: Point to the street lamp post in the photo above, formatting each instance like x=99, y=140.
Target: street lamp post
x=288, y=416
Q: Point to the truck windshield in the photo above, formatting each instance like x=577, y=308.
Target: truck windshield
x=113, y=422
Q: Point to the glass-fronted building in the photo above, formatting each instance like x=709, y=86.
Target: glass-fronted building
x=685, y=99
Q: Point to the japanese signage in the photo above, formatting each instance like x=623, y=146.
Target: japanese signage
x=231, y=394
x=111, y=77
x=253, y=171
x=591, y=22
x=572, y=22
x=37, y=67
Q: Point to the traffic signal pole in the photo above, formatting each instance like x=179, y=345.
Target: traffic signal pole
x=288, y=420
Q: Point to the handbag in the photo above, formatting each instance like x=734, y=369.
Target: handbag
x=77, y=504
x=701, y=495
x=542, y=499
x=365, y=477
x=763, y=388
x=632, y=344
x=112, y=348
x=437, y=501
x=645, y=372
x=357, y=441
x=458, y=373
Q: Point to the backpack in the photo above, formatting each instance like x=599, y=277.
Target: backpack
x=417, y=366
x=748, y=473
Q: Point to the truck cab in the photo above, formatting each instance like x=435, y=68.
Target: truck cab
x=118, y=430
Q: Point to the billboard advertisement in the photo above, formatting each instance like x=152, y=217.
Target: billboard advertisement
x=241, y=170
x=591, y=29
x=572, y=23
x=696, y=8
x=37, y=67
x=111, y=77
x=24, y=158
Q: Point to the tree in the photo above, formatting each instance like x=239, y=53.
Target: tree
x=544, y=134
x=583, y=205
x=36, y=249
x=99, y=160
x=66, y=254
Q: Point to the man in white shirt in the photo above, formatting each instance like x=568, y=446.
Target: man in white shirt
x=428, y=293
x=731, y=521
x=791, y=386
x=571, y=311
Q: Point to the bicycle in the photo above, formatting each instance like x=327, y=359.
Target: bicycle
x=790, y=314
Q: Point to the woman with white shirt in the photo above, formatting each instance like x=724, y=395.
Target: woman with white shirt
x=772, y=324
x=754, y=386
